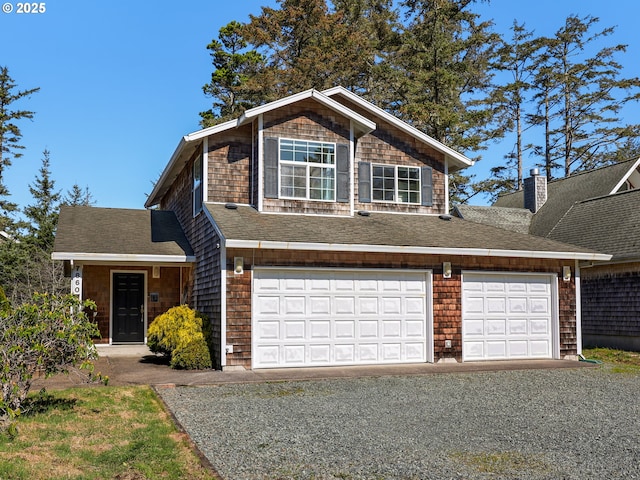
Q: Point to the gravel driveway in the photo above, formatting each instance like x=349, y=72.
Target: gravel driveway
x=536, y=424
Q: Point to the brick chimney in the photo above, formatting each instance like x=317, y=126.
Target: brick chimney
x=535, y=191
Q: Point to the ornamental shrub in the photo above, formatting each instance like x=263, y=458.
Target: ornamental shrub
x=177, y=333
x=48, y=335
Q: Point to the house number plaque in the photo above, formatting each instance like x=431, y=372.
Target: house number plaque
x=76, y=281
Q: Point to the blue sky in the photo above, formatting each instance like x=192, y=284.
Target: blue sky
x=121, y=82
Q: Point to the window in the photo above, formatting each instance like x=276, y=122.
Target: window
x=307, y=170
x=197, y=186
x=391, y=183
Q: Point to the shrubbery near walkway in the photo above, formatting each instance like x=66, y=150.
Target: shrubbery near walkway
x=178, y=334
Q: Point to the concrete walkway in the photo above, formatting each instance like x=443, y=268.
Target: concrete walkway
x=136, y=365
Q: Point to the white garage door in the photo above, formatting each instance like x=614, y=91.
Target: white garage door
x=338, y=317
x=507, y=316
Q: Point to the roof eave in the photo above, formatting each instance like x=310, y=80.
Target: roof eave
x=123, y=258
x=168, y=173
x=273, y=245
x=457, y=161
x=363, y=124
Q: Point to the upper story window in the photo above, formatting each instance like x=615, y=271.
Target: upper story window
x=398, y=184
x=307, y=170
x=393, y=183
x=197, y=186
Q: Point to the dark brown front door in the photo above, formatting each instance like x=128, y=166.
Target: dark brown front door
x=128, y=307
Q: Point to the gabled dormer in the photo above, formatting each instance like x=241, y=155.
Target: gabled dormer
x=328, y=153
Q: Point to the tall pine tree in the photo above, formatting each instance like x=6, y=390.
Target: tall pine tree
x=10, y=135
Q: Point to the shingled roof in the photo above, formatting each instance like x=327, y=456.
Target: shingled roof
x=562, y=193
x=515, y=219
x=91, y=233
x=617, y=234
x=245, y=227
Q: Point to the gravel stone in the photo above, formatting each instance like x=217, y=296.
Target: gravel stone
x=535, y=424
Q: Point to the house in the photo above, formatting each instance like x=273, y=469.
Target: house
x=598, y=210
x=313, y=231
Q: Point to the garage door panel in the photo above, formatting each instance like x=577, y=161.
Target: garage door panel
x=415, y=328
x=319, y=329
x=368, y=328
x=320, y=305
x=496, y=327
x=268, y=305
x=320, y=353
x=267, y=355
x=391, y=329
x=294, y=329
x=293, y=354
x=518, y=326
x=368, y=305
x=496, y=349
x=345, y=306
x=345, y=329
x=345, y=353
x=522, y=329
x=415, y=351
x=345, y=317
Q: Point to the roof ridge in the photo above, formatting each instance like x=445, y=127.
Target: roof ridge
x=615, y=194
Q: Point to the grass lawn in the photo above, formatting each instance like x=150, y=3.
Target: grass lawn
x=98, y=433
x=618, y=361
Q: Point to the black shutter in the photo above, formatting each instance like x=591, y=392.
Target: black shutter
x=364, y=182
x=427, y=186
x=271, y=167
x=342, y=173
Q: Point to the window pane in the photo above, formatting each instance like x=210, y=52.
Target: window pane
x=306, y=178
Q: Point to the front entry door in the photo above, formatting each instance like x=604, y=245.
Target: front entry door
x=128, y=307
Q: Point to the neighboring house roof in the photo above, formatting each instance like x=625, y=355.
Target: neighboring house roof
x=113, y=234
x=245, y=227
x=608, y=224
x=362, y=125
x=515, y=219
x=562, y=193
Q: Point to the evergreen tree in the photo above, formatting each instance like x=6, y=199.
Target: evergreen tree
x=10, y=136
x=78, y=196
x=234, y=84
x=43, y=214
x=509, y=102
x=581, y=96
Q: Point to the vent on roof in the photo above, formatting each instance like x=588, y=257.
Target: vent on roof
x=445, y=216
x=230, y=206
x=364, y=213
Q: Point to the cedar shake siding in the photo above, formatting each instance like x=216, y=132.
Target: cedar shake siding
x=168, y=288
x=447, y=293
x=229, y=173
x=304, y=121
x=388, y=145
x=611, y=306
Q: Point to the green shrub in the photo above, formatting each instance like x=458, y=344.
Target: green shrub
x=178, y=334
x=192, y=355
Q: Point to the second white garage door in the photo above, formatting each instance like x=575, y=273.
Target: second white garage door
x=325, y=317
x=507, y=316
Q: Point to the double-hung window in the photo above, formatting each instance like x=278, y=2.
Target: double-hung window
x=394, y=183
x=307, y=170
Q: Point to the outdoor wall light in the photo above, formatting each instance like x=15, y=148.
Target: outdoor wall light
x=155, y=271
x=446, y=269
x=238, y=265
x=566, y=273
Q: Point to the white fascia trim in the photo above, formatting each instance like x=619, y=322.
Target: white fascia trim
x=478, y=252
x=178, y=152
x=458, y=158
x=366, y=124
x=625, y=177
x=119, y=257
